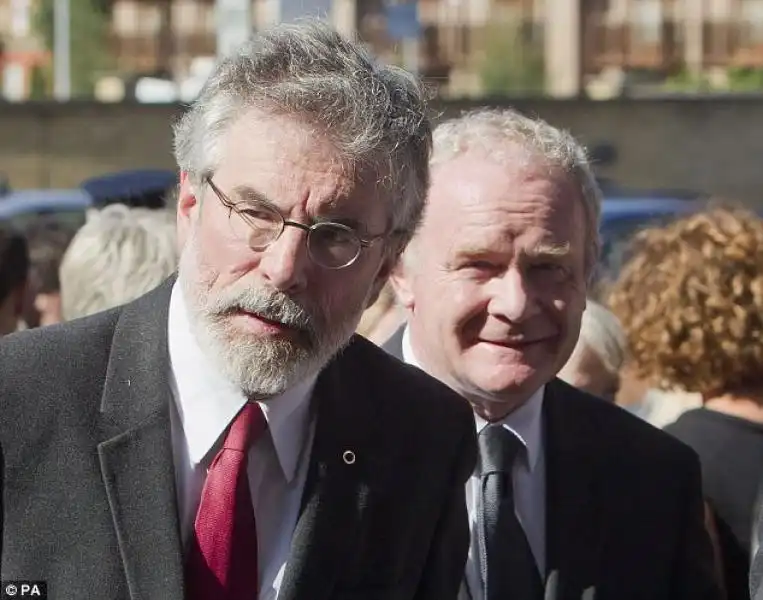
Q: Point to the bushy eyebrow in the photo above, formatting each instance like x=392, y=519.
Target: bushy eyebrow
x=544, y=250
x=246, y=194
x=541, y=250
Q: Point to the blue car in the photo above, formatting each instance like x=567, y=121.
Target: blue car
x=137, y=187
x=67, y=206
x=623, y=216
x=148, y=188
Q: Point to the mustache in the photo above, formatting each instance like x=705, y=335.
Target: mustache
x=268, y=304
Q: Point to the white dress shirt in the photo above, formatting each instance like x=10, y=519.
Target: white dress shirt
x=204, y=405
x=529, y=479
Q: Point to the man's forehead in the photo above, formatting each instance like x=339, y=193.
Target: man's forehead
x=495, y=144
x=310, y=194
x=489, y=204
x=275, y=139
x=533, y=242
x=277, y=136
x=473, y=185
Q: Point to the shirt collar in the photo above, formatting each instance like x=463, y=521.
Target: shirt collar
x=408, y=356
x=525, y=422
x=207, y=402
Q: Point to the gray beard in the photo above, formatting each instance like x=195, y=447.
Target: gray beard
x=260, y=368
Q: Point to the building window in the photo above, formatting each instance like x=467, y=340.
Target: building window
x=125, y=17
x=751, y=18
x=646, y=18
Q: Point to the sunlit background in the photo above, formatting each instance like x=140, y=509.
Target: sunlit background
x=160, y=50
x=665, y=93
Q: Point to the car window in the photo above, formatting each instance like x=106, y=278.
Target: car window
x=616, y=237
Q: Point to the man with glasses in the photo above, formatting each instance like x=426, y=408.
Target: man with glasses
x=226, y=436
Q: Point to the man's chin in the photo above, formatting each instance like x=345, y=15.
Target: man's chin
x=264, y=372
x=519, y=381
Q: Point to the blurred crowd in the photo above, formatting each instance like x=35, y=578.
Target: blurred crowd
x=51, y=274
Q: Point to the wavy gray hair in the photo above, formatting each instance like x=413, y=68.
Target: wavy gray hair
x=119, y=254
x=492, y=130
x=602, y=334
x=374, y=115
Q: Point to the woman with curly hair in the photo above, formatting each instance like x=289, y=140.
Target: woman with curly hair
x=691, y=303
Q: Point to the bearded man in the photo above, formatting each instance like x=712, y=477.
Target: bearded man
x=227, y=436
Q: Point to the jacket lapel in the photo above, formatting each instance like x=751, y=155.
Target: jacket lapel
x=136, y=460
x=573, y=511
x=338, y=486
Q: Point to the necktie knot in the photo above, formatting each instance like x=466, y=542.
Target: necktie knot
x=498, y=448
x=246, y=427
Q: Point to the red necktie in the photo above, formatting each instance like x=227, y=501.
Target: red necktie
x=222, y=560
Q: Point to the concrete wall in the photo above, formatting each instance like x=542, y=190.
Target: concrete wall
x=711, y=145
x=49, y=145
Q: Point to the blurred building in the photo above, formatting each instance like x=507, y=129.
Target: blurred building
x=167, y=37
x=466, y=47
x=596, y=45
x=20, y=50
x=474, y=47
x=691, y=39
x=162, y=37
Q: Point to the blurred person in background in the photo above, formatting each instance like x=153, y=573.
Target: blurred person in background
x=656, y=406
x=691, y=302
x=48, y=241
x=14, y=275
x=5, y=185
x=595, y=363
x=117, y=256
x=382, y=318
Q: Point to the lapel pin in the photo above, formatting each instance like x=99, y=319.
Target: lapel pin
x=348, y=456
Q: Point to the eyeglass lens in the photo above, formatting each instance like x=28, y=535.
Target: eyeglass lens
x=331, y=245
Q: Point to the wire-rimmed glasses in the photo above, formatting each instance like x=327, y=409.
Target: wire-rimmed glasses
x=259, y=224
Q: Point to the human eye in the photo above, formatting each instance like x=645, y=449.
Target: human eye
x=260, y=213
x=549, y=269
x=334, y=234
x=479, y=265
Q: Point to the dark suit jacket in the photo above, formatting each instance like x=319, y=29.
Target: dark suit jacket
x=624, y=512
x=88, y=486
